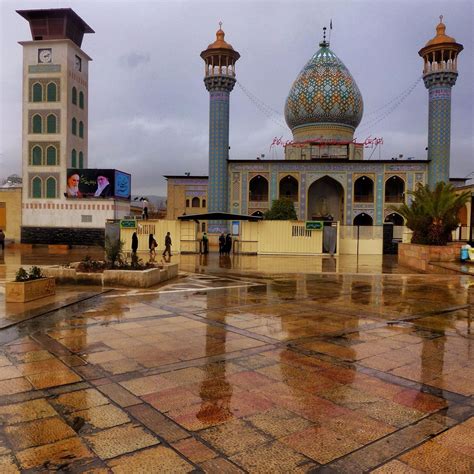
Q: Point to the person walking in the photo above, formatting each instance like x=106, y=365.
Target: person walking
x=205, y=243
x=152, y=246
x=2, y=240
x=134, y=243
x=167, y=245
x=221, y=244
x=228, y=244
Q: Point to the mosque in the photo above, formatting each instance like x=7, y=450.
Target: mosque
x=324, y=171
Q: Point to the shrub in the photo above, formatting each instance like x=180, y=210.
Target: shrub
x=433, y=214
x=113, y=251
x=89, y=265
x=283, y=209
x=35, y=273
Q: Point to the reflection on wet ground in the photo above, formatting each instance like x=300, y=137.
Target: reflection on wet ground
x=227, y=373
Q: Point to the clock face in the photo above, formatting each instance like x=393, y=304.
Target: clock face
x=45, y=55
x=78, y=63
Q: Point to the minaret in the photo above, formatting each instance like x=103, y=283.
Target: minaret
x=219, y=78
x=440, y=57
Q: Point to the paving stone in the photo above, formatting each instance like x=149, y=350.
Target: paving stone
x=119, y=395
x=120, y=440
x=158, y=423
x=54, y=456
x=159, y=459
x=38, y=432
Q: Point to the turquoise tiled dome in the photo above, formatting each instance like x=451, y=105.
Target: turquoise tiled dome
x=324, y=92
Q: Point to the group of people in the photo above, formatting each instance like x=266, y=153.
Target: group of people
x=152, y=244
x=225, y=244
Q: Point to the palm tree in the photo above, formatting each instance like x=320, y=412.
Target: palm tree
x=433, y=214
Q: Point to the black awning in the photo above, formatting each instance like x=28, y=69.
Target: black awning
x=218, y=216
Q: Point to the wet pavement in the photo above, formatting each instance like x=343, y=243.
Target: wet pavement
x=244, y=368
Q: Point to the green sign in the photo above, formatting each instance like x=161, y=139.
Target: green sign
x=314, y=225
x=128, y=224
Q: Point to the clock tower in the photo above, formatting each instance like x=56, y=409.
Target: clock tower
x=55, y=121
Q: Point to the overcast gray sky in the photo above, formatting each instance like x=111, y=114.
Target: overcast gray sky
x=148, y=107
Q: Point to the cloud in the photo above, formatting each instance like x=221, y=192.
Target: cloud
x=134, y=59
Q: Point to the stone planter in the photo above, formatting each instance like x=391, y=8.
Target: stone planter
x=419, y=257
x=23, y=291
x=129, y=278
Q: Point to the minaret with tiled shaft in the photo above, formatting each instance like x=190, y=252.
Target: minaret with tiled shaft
x=219, y=78
x=440, y=56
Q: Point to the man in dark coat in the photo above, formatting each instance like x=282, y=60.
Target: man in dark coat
x=228, y=244
x=167, y=245
x=134, y=243
x=221, y=244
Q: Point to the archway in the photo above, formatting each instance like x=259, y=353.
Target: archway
x=258, y=189
x=326, y=200
x=395, y=219
x=394, y=189
x=289, y=188
x=363, y=189
x=363, y=219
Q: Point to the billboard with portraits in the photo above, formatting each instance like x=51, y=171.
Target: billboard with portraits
x=97, y=184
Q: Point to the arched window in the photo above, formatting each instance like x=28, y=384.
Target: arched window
x=363, y=219
x=81, y=129
x=37, y=124
x=195, y=202
x=51, y=123
x=395, y=219
x=36, y=185
x=289, y=188
x=51, y=92
x=51, y=187
x=81, y=99
x=36, y=156
x=258, y=189
x=73, y=158
x=74, y=96
x=74, y=126
x=187, y=202
x=394, y=189
x=51, y=155
x=81, y=160
x=203, y=203
x=363, y=189
x=37, y=92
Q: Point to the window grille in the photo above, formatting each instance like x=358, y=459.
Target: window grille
x=300, y=231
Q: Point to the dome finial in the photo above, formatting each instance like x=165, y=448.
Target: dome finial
x=324, y=43
x=220, y=25
x=441, y=18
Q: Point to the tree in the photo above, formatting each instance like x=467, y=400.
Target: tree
x=433, y=214
x=283, y=209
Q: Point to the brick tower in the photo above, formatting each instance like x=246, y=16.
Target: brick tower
x=440, y=56
x=219, y=78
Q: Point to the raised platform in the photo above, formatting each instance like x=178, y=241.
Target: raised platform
x=128, y=278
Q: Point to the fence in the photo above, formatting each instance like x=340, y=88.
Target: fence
x=362, y=240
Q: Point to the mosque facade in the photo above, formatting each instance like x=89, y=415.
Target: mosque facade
x=323, y=171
